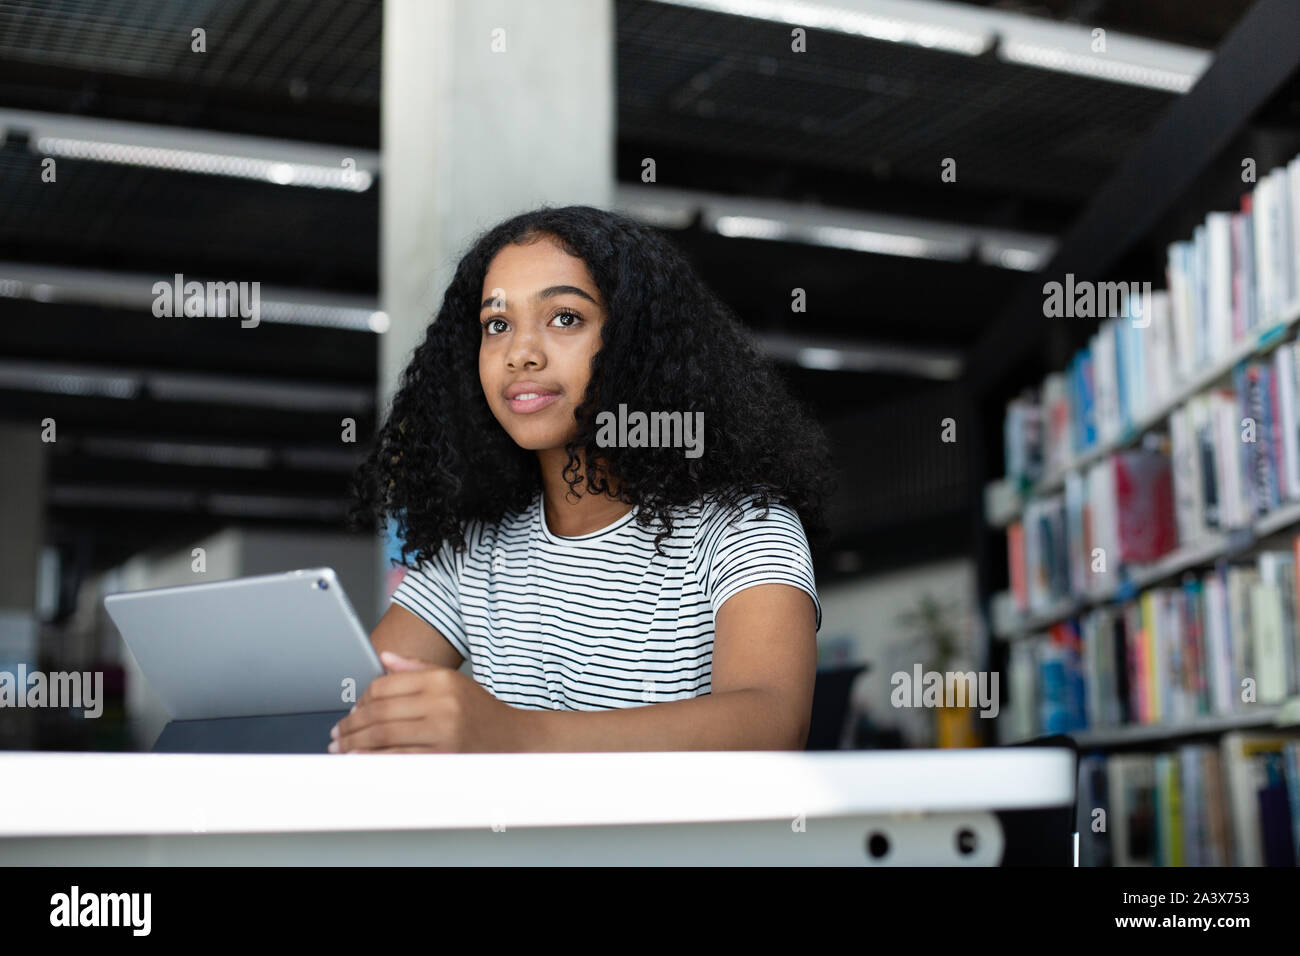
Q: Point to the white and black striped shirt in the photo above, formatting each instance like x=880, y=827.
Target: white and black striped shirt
x=599, y=620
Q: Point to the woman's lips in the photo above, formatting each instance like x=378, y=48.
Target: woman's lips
x=525, y=406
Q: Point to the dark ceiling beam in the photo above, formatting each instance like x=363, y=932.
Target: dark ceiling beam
x=252, y=111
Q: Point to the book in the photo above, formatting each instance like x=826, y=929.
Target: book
x=1131, y=797
x=1236, y=277
x=1169, y=822
x=1270, y=661
x=1242, y=753
x=1200, y=374
x=1291, y=752
x=1287, y=439
x=1093, y=811
x=1221, y=642
x=1016, y=564
x=1144, y=504
x=1274, y=808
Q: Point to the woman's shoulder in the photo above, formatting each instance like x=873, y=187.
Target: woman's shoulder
x=741, y=504
x=748, y=538
x=741, y=514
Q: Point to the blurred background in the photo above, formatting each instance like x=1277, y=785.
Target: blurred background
x=342, y=153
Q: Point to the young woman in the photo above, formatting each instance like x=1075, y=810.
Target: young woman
x=614, y=587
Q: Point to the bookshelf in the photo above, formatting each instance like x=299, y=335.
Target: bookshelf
x=1258, y=346
x=1201, y=553
x=1116, y=737
x=1159, y=183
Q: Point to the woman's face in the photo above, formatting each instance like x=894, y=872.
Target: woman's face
x=542, y=317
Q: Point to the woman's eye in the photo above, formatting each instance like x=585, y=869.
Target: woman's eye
x=572, y=315
x=487, y=326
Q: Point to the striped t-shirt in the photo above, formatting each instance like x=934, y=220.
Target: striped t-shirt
x=600, y=620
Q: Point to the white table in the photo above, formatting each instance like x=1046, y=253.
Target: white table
x=710, y=808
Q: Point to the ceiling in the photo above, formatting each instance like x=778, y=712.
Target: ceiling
x=860, y=128
x=1198, y=23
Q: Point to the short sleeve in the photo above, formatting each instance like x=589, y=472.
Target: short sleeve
x=753, y=550
x=431, y=593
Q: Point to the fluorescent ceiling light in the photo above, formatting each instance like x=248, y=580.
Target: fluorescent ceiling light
x=1015, y=254
x=861, y=240
x=892, y=25
x=206, y=163
x=193, y=454
x=260, y=393
x=663, y=207
x=67, y=380
x=91, y=380
x=972, y=30
x=1097, y=66
x=838, y=356
x=875, y=233
x=202, y=152
x=134, y=292
x=829, y=360
x=777, y=220
x=659, y=214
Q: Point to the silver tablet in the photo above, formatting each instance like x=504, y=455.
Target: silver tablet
x=286, y=643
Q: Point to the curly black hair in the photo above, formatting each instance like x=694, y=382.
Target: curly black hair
x=442, y=459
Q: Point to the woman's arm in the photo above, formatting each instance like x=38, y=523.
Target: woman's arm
x=764, y=667
x=406, y=634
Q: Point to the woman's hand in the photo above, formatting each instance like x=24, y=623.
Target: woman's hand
x=420, y=708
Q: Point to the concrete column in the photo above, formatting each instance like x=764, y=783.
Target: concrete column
x=490, y=108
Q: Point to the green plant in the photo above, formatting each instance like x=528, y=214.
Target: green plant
x=930, y=624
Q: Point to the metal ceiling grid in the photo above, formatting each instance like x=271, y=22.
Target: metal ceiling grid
x=328, y=48
x=730, y=84
x=107, y=215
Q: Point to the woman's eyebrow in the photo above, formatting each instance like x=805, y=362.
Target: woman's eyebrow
x=549, y=292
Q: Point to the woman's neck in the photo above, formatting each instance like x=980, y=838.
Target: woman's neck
x=568, y=516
